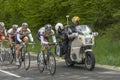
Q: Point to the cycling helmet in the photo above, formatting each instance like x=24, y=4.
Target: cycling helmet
x=14, y=26
x=75, y=19
x=24, y=25
x=59, y=26
x=48, y=26
x=2, y=24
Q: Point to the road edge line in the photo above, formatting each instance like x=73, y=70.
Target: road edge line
x=6, y=72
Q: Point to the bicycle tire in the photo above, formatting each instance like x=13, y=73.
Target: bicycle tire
x=40, y=61
x=27, y=55
x=11, y=56
x=2, y=56
x=52, y=69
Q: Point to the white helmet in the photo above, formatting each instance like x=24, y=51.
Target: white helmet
x=14, y=26
x=2, y=24
x=24, y=25
x=59, y=25
x=48, y=26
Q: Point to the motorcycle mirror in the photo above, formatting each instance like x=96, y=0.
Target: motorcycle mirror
x=95, y=33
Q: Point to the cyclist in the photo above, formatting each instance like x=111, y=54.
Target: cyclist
x=3, y=33
x=44, y=33
x=11, y=34
x=21, y=38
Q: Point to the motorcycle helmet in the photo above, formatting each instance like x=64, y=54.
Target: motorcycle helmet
x=59, y=26
x=75, y=19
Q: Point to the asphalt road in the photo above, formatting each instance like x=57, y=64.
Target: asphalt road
x=10, y=72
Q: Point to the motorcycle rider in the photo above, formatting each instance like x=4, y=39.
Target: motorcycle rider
x=71, y=33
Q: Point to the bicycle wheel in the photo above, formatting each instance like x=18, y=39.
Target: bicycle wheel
x=10, y=56
x=40, y=61
x=26, y=60
x=51, y=63
x=2, y=55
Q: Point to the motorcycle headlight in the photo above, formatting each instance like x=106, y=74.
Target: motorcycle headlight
x=88, y=40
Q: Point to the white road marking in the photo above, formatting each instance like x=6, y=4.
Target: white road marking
x=6, y=72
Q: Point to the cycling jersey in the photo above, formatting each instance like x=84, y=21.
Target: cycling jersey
x=21, y=34
x=2, y=32
x=10, y=32
x=43, y=37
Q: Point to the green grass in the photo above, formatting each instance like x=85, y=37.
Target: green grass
x=107, y=51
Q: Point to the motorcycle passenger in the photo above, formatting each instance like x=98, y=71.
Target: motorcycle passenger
x=11, y=34
x=44, y=33
x=60, y=31
x=21, y=38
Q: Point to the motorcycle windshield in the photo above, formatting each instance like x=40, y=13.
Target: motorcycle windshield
x=83, y=29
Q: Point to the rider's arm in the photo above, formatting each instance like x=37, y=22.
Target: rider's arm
x=31, y=38
x=42, y=40
x=73, y=35
x=5, y=32
x=18, y=38
x=41, y=36
x=18, y=35
x=30, y=35
x=70, y=34
x=53, y=37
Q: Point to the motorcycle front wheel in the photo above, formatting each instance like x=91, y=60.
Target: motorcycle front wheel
x=89, y=61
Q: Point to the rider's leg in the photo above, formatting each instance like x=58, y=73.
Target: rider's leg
x=68, y=49
x=3, y=38
x=25, y=39
x=66, y=44
x=10, y=40
x=18, y=47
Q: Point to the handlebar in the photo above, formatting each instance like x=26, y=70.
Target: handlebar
x=25, y=44
x=50, y=44
x=3, y=40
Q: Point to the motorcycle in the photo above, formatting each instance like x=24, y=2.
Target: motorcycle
x=80, y=50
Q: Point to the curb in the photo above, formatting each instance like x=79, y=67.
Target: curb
x=115, y=68
x=97, y=65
